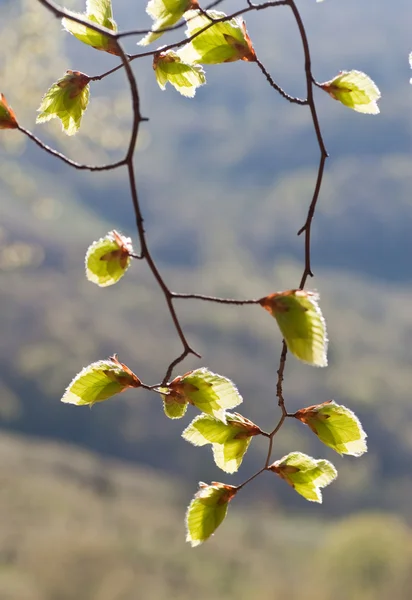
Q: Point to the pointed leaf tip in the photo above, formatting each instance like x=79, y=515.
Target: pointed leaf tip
x=336, y=426
x=301, y=323
x=108, y=259
x=99, y=381
x=8, y=118
x=67, y=99
x=98, y=12
x=355, y=90
x=305, y=474
x=209, y=392
x=207, y=510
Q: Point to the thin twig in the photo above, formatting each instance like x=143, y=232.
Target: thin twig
x=214, y=299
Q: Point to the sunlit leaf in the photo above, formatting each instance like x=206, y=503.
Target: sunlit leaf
x=98, y=12
x=210, y=393
x=174, y=406
x=301, y=322
x=165, y=14
x=207, y=511
x=67, y=99
x=229, y=440
x=99, y=381
x=185, y=78
x=336, y=426
x=108, y=259
x=305, y=474
x=7, y=116
x=225, y=41
x=355, y=90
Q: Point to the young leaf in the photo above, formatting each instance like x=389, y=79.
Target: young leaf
x=165, y=14
x=207, y=510
x=108, y=259
x=305, y=474
x=222, y=42
x=174, y=406
x=210, y=393
x=336, y=426
x=185, y=78
x=99, y=381
x=7, y=116
x=100, y=13
x=67, y=99
x=229, y=440
x=355, y=90
x=301, y=322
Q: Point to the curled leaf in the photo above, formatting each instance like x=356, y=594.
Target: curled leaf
x=108, y=259
x=336, y=426
x=100, y=13
x=7, y=116
x=305, y=474
x=355, y=90
x=165, y=14
x=229, y=440
x=210, y=393
x=67, y=99
x=224, y=41
x=99, y=381
x=301, y=323
x=207, y=510
x=185, y=78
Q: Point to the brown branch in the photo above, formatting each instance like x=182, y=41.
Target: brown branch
x=277, y=87
x=214, y=299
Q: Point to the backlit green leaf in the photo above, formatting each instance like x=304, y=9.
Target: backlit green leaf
x=98, y=12
x=336, y=426
x=226, y=41
x=174, y=406
x=67, y=99
x=99, y=381
x=108, y=259
x=210, y=393
x=207, y=511
x=185, y=78
x=7, y=116
x=305, y=474
x=355, y=90
x=301, y=322
x=229, y=440
x=165, y=14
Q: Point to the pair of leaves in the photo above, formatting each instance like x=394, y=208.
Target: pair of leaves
x=108, y=259
x=100, y=13
x=336, y=426
x=223, y=41
x=99, y=381
x=229, y=440
x=211, y=393
x=301, y=323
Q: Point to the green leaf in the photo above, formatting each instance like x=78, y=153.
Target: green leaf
x=174, y=406
x=67, y=99
x=100, y=13
x=302, y=325
x=7, y=116
x=355, y=90
x=185, y=78
x=108, y=259
x=336, y=426
x=305, y=474
x=165, y=14
x=229, y=440
x=210, y=393
x=207, y=511
x=99, y=381
x=226, y=41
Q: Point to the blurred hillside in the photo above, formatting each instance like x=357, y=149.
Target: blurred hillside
x=225, y=181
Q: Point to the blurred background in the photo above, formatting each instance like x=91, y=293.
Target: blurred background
x=93, y=501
